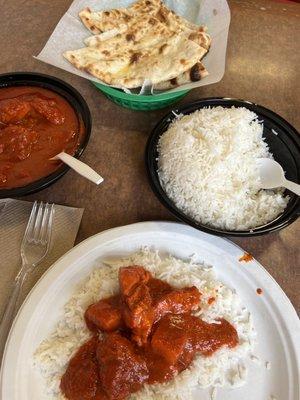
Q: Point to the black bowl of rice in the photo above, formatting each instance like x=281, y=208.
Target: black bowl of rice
x=201, y=163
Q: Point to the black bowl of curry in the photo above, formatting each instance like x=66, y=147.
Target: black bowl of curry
x=40, y=116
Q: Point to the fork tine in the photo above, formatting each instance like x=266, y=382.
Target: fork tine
x=45, y=222
x=30, y=225
x=47, y=229
x=38, y=222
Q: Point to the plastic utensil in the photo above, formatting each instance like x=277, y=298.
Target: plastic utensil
x=34, y=248
x=272, y=176
x=80, y=167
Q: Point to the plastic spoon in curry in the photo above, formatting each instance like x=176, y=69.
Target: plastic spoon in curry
x=79, y=167
x=272, y=176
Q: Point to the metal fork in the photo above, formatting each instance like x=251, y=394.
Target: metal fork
x=34, y=248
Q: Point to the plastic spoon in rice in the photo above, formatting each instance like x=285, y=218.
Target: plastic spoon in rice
x=272, y=176
x=79, y=167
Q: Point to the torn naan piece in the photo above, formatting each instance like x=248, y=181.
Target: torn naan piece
x=130, y=68
x=144, y=16
x=102, y=21
x=133, y=40
x=196, y=73
x=139, y=35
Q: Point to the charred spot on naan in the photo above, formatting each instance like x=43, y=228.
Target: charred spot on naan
x=195, y=73
x=146, y=6
x=135, y=58
x=130, y=37
x=193, y=36
x=201, y=38
x=161, y=16
x=153, y=21
x=127, y=18
x=94, y=29
x=163, y=48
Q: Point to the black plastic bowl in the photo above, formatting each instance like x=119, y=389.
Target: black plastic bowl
x=77, y=102
x=284, y=143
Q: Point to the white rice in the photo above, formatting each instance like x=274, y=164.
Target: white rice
x=207, y=167
x=224, y=368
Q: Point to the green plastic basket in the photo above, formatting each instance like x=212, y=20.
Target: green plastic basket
x=140, y=102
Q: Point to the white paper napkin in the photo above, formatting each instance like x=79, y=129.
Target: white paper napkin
x=14, y=216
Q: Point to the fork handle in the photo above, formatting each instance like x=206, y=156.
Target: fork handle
x=10, y=310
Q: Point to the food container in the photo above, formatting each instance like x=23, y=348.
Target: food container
x=282, y=139
x=140, y=102
x=77, y=102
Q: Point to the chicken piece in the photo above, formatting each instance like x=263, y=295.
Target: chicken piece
x=81, y=379
x=137, y=308
x=13, y=110
x=47, y=108
x=138, y=314
x=146, y=300
x=158, y=288
x=170, y=338
x=105, y=315
x=130, y=277
x=100, y=394
x=211, y=337
x=160, y=370
x=17, y=142
x=178, y=337
x=122, y=370
x=176, y=301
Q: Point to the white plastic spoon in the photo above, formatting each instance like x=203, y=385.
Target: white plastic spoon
x=80, y=167
x=272, y=176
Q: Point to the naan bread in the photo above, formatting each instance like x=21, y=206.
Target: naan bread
x=129, y=68
x=139, y=35
x=101, y=21
x=143, y=41
x=150, y=14
x=196, y=73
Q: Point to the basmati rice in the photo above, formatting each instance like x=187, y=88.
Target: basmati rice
x=207, y=167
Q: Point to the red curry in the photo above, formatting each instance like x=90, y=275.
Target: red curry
x=35, y=125
x=150, y=335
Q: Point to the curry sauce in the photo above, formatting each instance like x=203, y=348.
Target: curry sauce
x=149, y=335
x=35, y=125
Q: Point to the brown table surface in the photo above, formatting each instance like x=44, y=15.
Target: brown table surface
x=262, y=66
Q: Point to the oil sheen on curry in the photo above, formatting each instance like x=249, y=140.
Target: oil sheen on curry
x=145, y=334
x=35, y=125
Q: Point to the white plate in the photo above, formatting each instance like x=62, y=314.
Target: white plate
x=275, y=319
